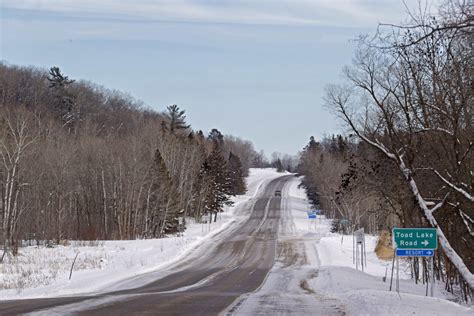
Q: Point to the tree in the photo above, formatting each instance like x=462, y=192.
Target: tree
x=409, y=96
x=115, y=179
x=216, y=137
x=236, y=175
x=214, y=178
x=65, y=101
x=164, y=215
x=16, y=138
x=278, y=165
x=175, y=119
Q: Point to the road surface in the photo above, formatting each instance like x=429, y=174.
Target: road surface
x=237, y=264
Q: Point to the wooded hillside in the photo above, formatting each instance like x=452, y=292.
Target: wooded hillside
x=79, y=161
x=408, y=102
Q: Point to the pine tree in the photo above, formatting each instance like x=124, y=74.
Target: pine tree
x=175, y=119
x=215, y=175
x=236, y=174
x=164, y=217
x=65, y=101
x=278, y=165
x=313, y=145
x=216, y=137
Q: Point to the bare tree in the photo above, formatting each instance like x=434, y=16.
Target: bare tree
x=409, y=96
x=17, y=135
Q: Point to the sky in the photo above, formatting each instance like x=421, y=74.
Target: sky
x=253, y=69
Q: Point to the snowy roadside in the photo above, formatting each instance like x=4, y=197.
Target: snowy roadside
x=44, y=272
x=314, y=274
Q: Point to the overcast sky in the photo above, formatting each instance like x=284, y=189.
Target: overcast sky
x=254, y=69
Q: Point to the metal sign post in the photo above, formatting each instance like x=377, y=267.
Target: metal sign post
x=312, y=216
x=416, y=242
x=359, y=242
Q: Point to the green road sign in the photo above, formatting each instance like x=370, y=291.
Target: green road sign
x=415, y=238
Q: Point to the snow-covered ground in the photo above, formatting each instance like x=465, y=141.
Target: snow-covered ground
x=100, y=265
x=314, y=274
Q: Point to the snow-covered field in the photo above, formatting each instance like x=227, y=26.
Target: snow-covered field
x=44, y=272
x=314, y=275
x=314, y=272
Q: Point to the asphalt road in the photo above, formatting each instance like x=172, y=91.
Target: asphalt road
x=237, y=264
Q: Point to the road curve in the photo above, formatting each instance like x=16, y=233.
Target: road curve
x=236, y=265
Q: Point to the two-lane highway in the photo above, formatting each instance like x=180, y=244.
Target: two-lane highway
x=236, y=265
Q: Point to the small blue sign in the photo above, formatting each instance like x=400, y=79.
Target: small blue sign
x=311, y=215
x=415, y=253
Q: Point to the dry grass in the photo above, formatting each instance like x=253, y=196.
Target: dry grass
x=41, y=266
x=384, y=249
x=304, y=285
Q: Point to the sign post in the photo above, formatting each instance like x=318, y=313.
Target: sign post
x=312, y=216
x=359, y=242
x=415, y=242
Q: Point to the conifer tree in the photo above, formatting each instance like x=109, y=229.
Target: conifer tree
x=164, y=218
x=236, y=175
x=278, y=165
x=216, y=137
x=65, y=101
x=176, y=119
x=215, y=176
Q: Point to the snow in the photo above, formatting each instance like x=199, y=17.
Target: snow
x=102, y=265
x=314, y=274
x=364, y=294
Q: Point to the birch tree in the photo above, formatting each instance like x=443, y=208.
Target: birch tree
x=17, y=136
x=409, y=95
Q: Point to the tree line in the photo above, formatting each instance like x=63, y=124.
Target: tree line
x=408, y=160
x=78, y=161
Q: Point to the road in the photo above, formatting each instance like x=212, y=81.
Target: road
x=237, y=264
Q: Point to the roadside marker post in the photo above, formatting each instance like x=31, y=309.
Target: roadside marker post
x=359, y=242
x=312, y=216
x=415, y=242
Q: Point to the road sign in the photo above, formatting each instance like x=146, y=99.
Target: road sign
x=415, y=253
x=415, y=238
x=311, y=215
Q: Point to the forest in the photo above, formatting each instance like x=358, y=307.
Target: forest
x=407, y=159
x=82, y=162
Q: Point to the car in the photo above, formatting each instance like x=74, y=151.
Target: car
x=277, y=193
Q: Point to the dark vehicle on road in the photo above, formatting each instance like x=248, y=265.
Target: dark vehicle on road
x=277, y=193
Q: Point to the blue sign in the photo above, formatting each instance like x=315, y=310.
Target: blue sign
x=415, y=253
x=311, y=215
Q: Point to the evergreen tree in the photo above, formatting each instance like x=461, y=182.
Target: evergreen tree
x=313, y=145
x=216, y=137
x=200, y=136
x=175, y=119
x=164, y=216
x=236, y=175
x=278, y=165
x=65, y=101
x=215, y=176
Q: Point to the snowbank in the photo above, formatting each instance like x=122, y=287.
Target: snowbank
x=336, y=282
x=364, y=294
x=44, y=272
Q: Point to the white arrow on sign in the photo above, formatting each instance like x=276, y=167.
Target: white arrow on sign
x=428, y=253
x=425, y=243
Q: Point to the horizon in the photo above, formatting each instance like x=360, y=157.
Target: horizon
x=255, y=71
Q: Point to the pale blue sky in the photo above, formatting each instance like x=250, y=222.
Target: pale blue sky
x=254, y=69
